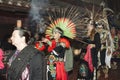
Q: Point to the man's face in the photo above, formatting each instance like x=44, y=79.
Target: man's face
x=15, y=38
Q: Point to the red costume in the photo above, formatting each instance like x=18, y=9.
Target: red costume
x=40, y=46
x=60, y=69
x=52, y=45
x=88, y=58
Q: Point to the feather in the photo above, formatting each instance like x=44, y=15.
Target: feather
x=66, y=19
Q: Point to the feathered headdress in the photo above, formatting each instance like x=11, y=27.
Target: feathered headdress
x=98, y=15
x=65, y=19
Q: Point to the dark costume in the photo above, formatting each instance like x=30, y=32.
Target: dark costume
x=29, y=58
x=103, y=36
x=94, y=50
x=94, y=54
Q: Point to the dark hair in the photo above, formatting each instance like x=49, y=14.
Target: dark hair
x=92, y=23
x=25, y=33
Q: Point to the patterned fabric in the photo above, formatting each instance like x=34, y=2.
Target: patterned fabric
x=56, y=65
x=83, y=70
x=25, y=74
x=56, y=68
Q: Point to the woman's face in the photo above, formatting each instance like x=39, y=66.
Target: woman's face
x=90, y=27
x=56, y=35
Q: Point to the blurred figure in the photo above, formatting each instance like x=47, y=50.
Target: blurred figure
x=103, y=36
x=1, y=59
x=94, y=45
x=114, y=37
x=2, y=66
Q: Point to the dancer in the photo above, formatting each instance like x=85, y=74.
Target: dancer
x=94, y=45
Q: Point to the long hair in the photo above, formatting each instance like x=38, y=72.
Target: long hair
x=93, y=32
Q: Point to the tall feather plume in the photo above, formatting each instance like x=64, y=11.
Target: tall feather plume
x=97, y=14
x=65, y=18
x=73, y=20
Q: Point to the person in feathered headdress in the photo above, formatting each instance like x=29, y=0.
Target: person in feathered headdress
x=94, y=44
x=60, y=29
x=94, y=41
x=57, y=47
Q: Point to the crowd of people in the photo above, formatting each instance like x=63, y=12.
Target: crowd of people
x=51, y=56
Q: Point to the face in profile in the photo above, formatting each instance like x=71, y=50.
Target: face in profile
x=15, y=38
